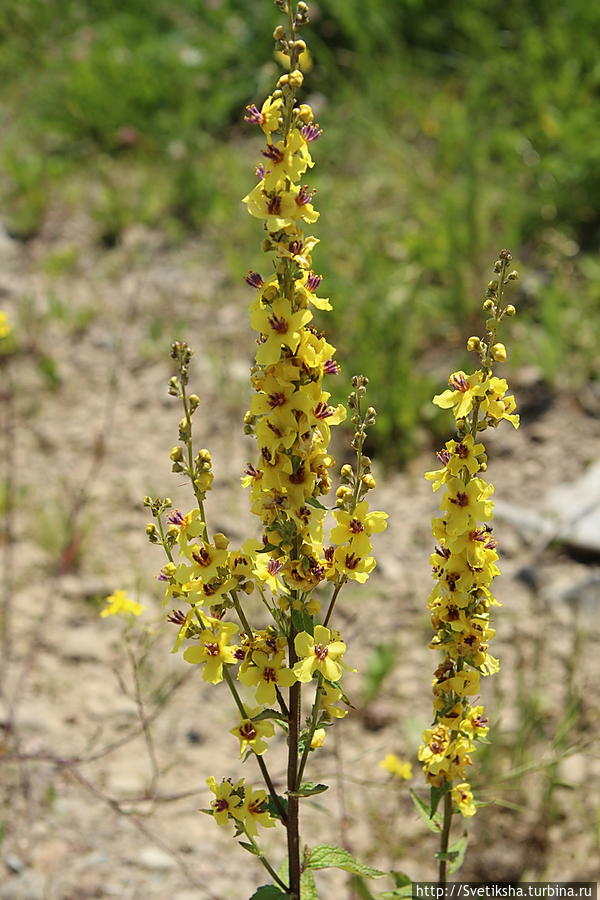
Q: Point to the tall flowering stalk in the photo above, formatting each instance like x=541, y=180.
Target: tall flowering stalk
x=464, y=565
x=284, y=674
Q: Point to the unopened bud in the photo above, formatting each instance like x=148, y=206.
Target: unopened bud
x=343, y=493
x=296, y=78
x=492, y=286
x=513, y=276
x=488, y=304
x=194, y=402
x=305, y=113
x=510, y=310
x=279, y=33
x=300, y=46
x=347, y=472
x=498, y=352
x=176, y=454
x=368, y=481
x=473, y=343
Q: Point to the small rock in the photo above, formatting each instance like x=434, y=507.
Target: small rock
x=155, y=858
x=14, y=864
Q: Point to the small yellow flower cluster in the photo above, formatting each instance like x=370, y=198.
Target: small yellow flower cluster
x=241, y=803
x=464, y=562
x=120, y=604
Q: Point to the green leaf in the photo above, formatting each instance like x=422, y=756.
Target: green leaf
x=436, y=795
x=360, y=888
x=273, y=808
x=458, y=848
x=400, y=879
x=312, y=501
x=249, y=847
x=268, y=892
x=308, y=887
x=327, y=857
x=433, y=823
x=302, y=621
x=308, y=789
x=404, y=891
x=269, y=714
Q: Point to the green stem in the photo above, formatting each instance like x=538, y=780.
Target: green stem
x=261, y=763
x=334, y=597
x=445, y=839
x=266, y=863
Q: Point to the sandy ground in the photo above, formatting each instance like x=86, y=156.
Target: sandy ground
x=92, y=806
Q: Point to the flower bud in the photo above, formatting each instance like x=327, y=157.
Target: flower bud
x=279, y=33
x=347, y=472
x=343, y=493
x=368, y=481
x=176, y=454
x=296, y=78
x=498, y=352
x=510, y=310
x=473, y=343
x=194, y=402
x=305, y=113
x=488, y=304
x=300, y=46
x=220, y=541
x=513, y=276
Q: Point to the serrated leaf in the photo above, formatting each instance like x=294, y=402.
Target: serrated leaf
x=312, y=501
x=268, y=892
x=434, y=824
x=249, y=847
x=308, y=789
x=326, y=857
x=308, y=887
x=459, y=848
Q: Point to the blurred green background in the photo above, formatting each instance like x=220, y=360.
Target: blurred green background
x=451, y=130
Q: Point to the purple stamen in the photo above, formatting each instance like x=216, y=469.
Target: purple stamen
x=311, y=132
x=313, y=281
x=254, y=115
x=305, y=196
x=254, y=279
x=176, y=518
x=330, y=367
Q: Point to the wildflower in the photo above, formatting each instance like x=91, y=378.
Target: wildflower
x=266, y=674
x=318, y=738
x=214, y=650
x=251, y=734
x=227, y=799
x=462, y=798
x=120, y=604
x=396, y=767
x=318, y=654
x=252, y=811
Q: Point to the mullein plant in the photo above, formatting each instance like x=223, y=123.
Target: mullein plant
x=464, y=565
x=285, y=671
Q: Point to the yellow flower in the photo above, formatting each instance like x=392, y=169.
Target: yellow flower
x=250, y=734
x=329, y=696
x=214, y=650
x=318, y=654
x=394, y=765
x=280, y=326
x=465, y=390
x=356, y=527
x=120, y=604
x=462, y=798
x=318, y=738
x=225, y=799
x=267, y=674
x=5, y=328
x=252, y=812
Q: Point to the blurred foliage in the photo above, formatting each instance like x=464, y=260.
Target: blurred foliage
x=450, y=130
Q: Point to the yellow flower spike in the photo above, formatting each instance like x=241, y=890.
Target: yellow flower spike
x=397, y=767
x=318, y=654
x=120, y=604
